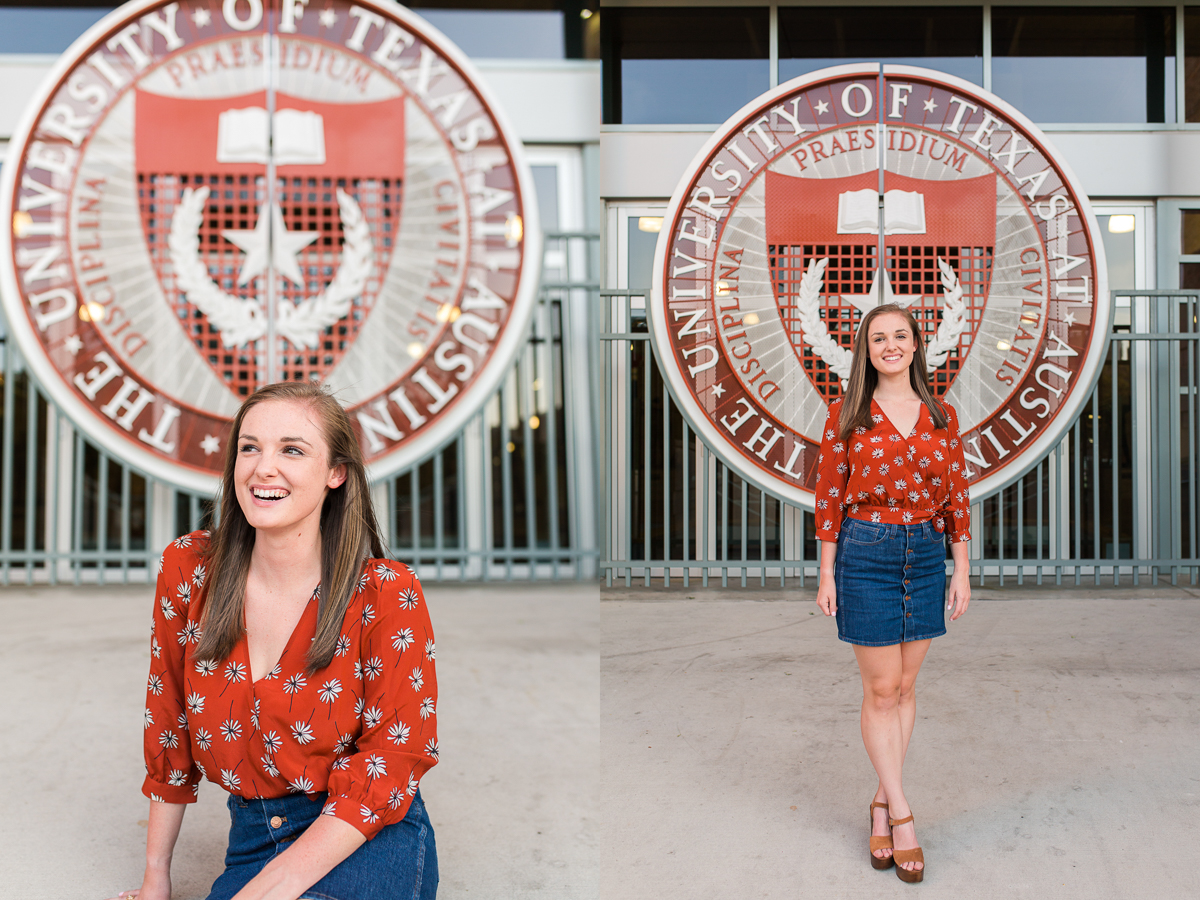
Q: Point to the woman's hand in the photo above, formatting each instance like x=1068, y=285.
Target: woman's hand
x=960, y=592
x=827, y=596
x=156, y=885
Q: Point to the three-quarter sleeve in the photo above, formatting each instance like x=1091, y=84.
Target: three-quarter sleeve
x=956, y=512
x=833, y=469
x=171, y=774
x=374, y=786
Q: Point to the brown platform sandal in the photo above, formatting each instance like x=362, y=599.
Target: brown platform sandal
x=903, y=856
x=880, y=842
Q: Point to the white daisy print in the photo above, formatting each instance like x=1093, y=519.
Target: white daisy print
x=398, y=733
x=368, y=816
x=345, y=742
x=191, y=633
x=395, y=798
x=359, y=705
x=385, y=572
x=181, y=721
x=412, y=785
x=358, y=670
x=169, y=740
x=330, y=808
x=368, y=613
x=341, y=763
x=181, y=542
x=330, y=690
x=177, y=778
x=198, y=576
x=275, y=672
x=203, y=740
x=254, y=711
x=373, y=668
x=155, y=648
x=408, y=599
x=429, y=649
x=156, y=798
x=206, y=666
x=372, y=717
x=167, y=608
x=417, y=678
x=147, y=718
x=185, y=593
x=402, y=639
x=301, y=785
x=268, y=765
x=235, y=672
x=230, y=779
x=272, y=741
x=231, y=730
x=302, y=732
x=195, y=703
x=427, y=707
x=155, y=685
x=343, y=646
x=431, y=748
x=295, y=683
x=376, y=766
x=362, y=583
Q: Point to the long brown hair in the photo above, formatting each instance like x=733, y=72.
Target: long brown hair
x=349, y=533
x=856, y=407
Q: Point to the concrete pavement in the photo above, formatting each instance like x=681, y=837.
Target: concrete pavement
x=1055, y=752
x=512, y=801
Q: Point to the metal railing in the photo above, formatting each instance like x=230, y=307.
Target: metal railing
x=1118, y=496
x=512, y=496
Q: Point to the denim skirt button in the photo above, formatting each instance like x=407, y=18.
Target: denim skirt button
x=276, y=821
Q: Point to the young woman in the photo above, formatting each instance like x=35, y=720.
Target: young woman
x=293, y=665
x=890, y=489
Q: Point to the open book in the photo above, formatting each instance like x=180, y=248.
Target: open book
x=242, y=137
x=903, y=212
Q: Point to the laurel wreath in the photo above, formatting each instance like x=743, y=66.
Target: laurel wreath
x=243, y=321
x=838, y=358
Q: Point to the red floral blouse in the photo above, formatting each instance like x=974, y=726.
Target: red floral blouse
x=363, y=728
x=879, y=476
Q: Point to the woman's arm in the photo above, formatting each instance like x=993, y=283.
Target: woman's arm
x=311, y=856
x=162, y=830
x=960, y=581
x=826, y=589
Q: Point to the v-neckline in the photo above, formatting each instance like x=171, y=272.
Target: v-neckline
x=286, y=646
x=887, y=418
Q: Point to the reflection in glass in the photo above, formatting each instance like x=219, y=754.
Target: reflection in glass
x=501, y=33
x=1075, y=64
x=682, y=66
x=1118, y=251
x=641, y=256
x=1191, y=65
x=1189, y=232
x=36, y=29
x=948, y=39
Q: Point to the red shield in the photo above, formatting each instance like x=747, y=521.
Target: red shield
x=952, y=220
x=319, y=149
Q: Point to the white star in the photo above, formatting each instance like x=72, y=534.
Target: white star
x=822, y=107
x=201, y=17
x=930, y=106
x=1069, y=318
x=73, y=344
x=328, y=18
x=718, y=390
x=210, y=445
x=284, y=246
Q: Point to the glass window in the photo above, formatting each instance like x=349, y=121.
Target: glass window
x=682, y=66
x=1191, y=65
x=41, y=29
x=501, y=33
x=949, y=39
x=1073, y=64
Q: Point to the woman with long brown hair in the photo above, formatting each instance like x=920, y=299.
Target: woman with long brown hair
x=292, y=664
x=890, y=489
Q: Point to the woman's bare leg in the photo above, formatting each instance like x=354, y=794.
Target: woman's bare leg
x=889, y=711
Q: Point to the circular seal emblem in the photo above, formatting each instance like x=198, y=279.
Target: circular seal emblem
x=771, y=253
x=209, y=196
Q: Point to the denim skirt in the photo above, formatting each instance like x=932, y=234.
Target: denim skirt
x=399, y=863
x=891, y=583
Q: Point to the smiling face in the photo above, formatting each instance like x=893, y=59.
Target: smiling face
x=890, y=341
x=282, y=471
